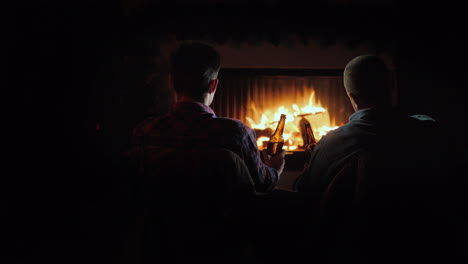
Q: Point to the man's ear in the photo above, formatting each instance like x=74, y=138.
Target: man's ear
x=353, y=101
x=213, y=85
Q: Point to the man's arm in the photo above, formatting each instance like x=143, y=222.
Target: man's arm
x=264, y=176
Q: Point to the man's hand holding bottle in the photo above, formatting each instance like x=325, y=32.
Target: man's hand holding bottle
x=276, y=162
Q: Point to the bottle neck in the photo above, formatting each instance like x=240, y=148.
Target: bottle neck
x=310, y=136
x=280, y=128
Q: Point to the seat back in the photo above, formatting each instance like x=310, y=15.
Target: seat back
x=195, y=201
x=377, y=204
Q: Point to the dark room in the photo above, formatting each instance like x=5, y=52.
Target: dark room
x=222, y=131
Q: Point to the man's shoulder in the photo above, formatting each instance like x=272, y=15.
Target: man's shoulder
x=345, y=137
x=231, y=123
x=335, y=133
x=423, y=117
x=150, y=123
x=424, y=122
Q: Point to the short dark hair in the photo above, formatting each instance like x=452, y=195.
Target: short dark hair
x=368, y=79
x=193, y=66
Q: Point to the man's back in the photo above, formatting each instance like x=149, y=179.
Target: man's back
x=377, y=179
x=195, y=205
x=405, y=143
x=191, y=126
x=194, y=125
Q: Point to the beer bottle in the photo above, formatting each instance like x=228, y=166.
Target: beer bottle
x=310, y=139
x=303, y=128
x=275, y=145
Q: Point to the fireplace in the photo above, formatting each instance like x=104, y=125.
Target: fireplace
x=257, y=97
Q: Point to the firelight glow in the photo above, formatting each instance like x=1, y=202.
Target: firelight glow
x=315, y=114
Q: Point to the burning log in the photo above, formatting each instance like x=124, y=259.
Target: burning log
x=308, y=114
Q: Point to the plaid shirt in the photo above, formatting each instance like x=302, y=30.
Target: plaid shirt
x=195, y=125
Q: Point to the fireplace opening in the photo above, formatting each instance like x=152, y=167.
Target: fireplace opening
x=258, y=97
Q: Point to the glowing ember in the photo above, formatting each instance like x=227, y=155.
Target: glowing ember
x=266, y=120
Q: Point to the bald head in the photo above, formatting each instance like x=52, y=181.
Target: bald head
x=367, y=80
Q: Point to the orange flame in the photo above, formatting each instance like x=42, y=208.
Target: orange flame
x=315, y=114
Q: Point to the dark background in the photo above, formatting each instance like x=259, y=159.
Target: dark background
x=66, y=195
